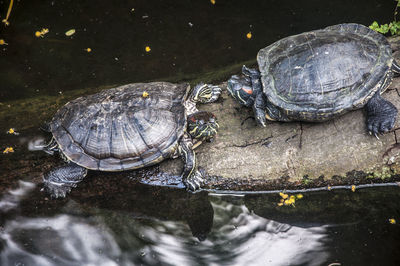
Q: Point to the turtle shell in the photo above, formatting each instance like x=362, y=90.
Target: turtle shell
x=123, y=128
x=317, y=75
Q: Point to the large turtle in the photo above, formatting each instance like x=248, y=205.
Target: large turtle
x=319, y=75
x=130, y=127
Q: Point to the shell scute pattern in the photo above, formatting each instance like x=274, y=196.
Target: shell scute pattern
x=324, y=72
x=118, y=129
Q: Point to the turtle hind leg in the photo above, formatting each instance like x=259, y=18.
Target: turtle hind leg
x=191, y=176
x=381, y=115
x=59, y=181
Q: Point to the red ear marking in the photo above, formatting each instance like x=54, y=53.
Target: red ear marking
x=249, y=91
x=193, y=119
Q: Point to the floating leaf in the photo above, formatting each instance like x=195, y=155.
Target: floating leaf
x=392, y=221
x=70, y=32
x=12, y=131
x=147, y=49
x=42, y=32
x=2, y=42
x=249, y=35
x=8, y=150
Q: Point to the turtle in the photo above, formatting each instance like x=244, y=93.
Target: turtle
x=130, y=127
x=318, y=75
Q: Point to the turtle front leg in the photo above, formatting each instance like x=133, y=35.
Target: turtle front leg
x=259, y=109
x=191, y=177
x=381, y=115
x=59, y=181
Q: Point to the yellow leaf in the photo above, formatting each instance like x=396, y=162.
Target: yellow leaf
x=249, y=35
x=2, y=42
x=145, y=94
x=147, y=49
x=42, y=32
x=70, y=32
x=212, y=2
x=8, y=150
x=392, y=221
x=299, y=196
x=283, y=195
x=88, y=50
x=353, y=188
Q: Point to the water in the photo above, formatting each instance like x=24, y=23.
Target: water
x=143, y=225
x=188, y=39
x=112, y=220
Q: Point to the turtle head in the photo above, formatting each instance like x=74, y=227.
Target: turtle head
x=202, y=125
x=241, y=89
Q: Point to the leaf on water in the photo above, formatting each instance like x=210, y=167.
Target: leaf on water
x=8, y=150
x=70, y=32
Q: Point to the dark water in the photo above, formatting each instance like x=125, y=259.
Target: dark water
x=113, y=222
x=187, y=38
x=159, y=226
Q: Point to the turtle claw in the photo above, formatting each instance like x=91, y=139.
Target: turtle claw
x=206, y=93
x=57, y=190
x=381, y=115
x=59, y=181
x=194, y=182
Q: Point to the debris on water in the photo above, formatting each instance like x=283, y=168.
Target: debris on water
x=353, y=188
x=8, y=150
x=288, y=200
x=249, y=35
x=212, y=2
x=283, y=195
x=88, y=50
x=12, y=131
x=147, y=49
x=5, y=21
x=70, y=32
x=42, y=32
x=132, y=10
x=2, y=42
x=392, y=221
x=190, y=24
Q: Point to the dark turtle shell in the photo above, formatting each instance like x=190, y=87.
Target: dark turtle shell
x=319, y=74
x=122, y=128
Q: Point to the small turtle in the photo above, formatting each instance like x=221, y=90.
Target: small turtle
x=318, y=75
x=130, y=127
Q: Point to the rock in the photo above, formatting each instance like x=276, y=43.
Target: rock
x=294, y=154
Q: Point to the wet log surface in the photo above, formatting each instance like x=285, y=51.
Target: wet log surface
x=243, y=156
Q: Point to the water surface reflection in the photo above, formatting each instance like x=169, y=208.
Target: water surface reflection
x=168, y=227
